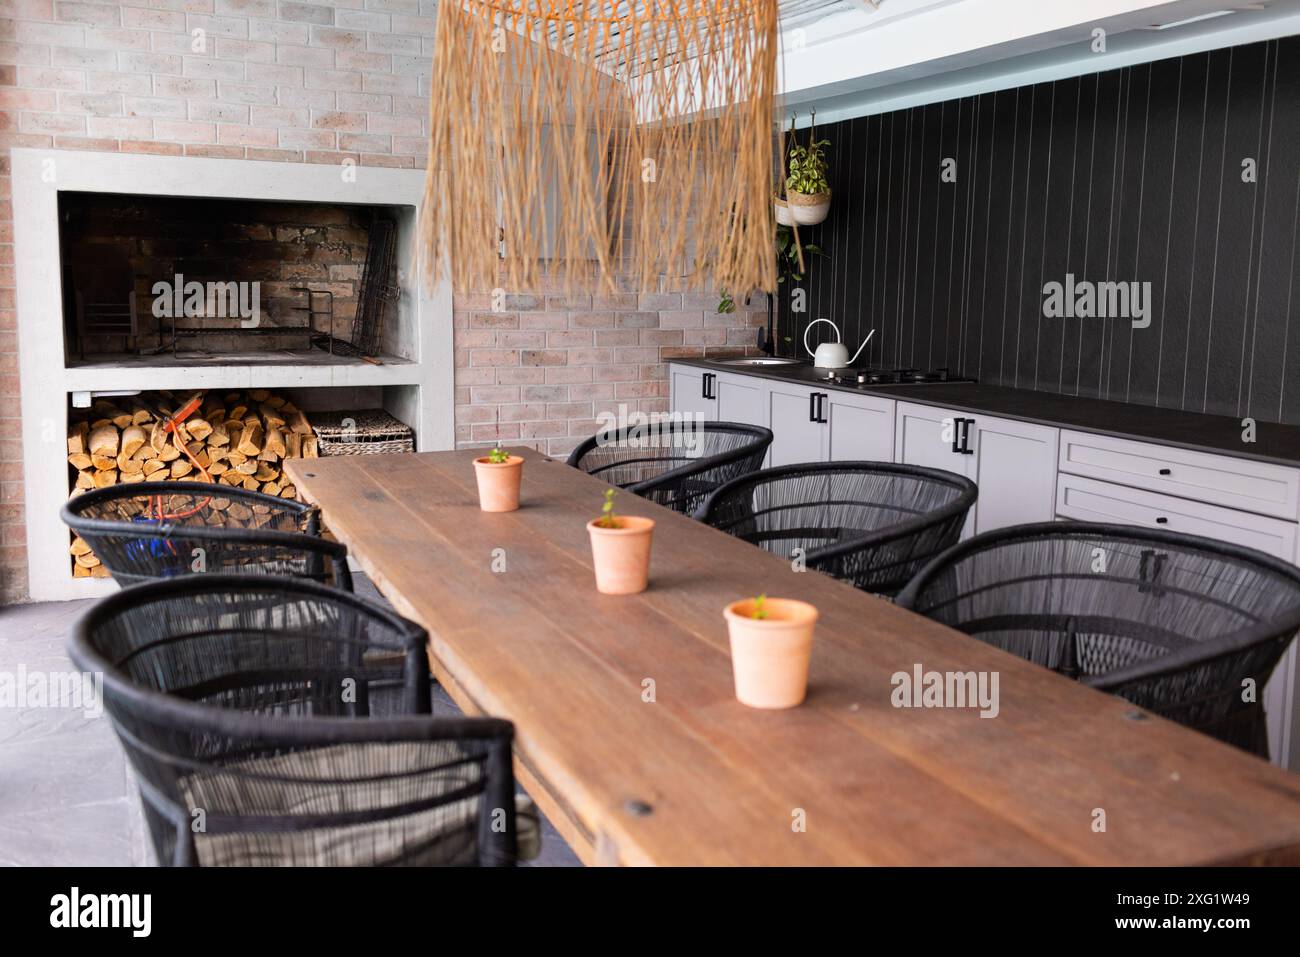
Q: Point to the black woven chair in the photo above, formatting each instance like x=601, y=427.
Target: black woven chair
x=676, y=464
x=872, y=524
x=1174, y=623
x=242, y=704
x=208, y=528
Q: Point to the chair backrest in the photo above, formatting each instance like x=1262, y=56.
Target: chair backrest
x=1175, y=623
x=676, y=463
x=873, y=524
x=242, y=705
x=203, y=528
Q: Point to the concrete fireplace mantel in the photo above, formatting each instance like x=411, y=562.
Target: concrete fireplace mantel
x=47, y=380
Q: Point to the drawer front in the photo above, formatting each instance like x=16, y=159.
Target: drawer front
x=1258, y=487
x=1087, y=500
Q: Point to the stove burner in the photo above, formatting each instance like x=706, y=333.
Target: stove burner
x=874, y=377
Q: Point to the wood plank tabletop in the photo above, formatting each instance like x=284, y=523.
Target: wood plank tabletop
x=1062, y=775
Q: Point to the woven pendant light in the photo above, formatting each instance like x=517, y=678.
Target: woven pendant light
x=603, y=145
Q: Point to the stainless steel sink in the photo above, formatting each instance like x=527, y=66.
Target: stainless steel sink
x=761, y=361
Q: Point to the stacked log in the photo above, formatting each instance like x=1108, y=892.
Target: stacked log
x=240, y=438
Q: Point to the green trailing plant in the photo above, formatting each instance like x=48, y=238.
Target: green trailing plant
x=787, y=255
x=498, y=456
x=607, y=517
x=808, y=168
x=760, y=607
x=787, y=265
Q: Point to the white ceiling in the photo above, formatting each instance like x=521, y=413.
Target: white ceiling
x=847, y=58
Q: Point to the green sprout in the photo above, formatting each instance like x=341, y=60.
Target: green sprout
x=498, y=456
x=607, y=517
x=760, y=607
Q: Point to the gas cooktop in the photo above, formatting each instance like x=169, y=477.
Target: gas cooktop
x=878, y=377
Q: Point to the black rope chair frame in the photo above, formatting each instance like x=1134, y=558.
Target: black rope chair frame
x=101, y=533
x=169, y=739
x=683, y=487
x=1267, y=640
x=948, y=518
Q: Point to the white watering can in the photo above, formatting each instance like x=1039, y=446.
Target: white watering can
x=833, y=355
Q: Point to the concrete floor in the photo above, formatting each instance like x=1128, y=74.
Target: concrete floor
x=66, y=793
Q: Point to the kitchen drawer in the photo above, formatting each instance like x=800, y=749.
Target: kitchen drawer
x=1087, y=500
x=1201, y=476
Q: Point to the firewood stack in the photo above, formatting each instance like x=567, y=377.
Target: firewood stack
x=241, y=438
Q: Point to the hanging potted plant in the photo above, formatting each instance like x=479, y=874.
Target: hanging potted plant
x=771, y=644
x=620, y=550
x=499, y=474
x=807, y=191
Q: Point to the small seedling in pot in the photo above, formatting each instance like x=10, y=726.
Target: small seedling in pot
x=498, y=456
x=760, y=607
x=607, y=517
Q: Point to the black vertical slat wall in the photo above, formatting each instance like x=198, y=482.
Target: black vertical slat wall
x=1128, y=175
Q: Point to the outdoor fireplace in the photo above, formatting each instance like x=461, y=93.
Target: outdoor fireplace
x=145, y=274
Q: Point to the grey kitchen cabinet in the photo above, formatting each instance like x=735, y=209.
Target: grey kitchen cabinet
x=1016, y=472
x=741, y=398
x=691, y=392
x=825, y=425
x=1012, y=462
x=809, y=424
x=931, y=437
x=859, y=428
x=798, y=434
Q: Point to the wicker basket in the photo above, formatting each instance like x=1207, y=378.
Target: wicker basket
x=371, y=432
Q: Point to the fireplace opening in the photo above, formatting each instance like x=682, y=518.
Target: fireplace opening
x=164, y=280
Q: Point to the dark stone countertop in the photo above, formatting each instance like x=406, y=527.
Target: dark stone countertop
x=1220, y=434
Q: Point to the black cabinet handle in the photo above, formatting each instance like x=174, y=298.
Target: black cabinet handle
x=1162, y=520
x=704, y=386
x=812, y=406
x=708, y=386
x=1166, y=471
x=962, y=427
x=821, y=409
x=956, y=435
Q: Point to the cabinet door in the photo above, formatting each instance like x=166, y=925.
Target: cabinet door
x=741, y=398
x=797, y=437
x=859, y=428
x=1015, y=472
x=687, y=393
x=923, y=435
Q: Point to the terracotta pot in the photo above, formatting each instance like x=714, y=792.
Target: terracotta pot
x=809, y=209
x=769, y=656
x=621, y=555
x=498, y=484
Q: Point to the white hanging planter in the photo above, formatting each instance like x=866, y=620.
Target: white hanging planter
x=808, y=209
x=783, y=217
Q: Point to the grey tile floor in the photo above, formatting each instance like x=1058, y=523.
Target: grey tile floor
x=66, y=793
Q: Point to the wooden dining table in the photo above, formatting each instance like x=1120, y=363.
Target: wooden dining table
x=631, y=740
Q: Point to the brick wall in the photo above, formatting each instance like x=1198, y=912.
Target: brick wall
x=315, y=83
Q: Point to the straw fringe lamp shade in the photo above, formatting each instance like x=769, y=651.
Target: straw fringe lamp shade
x=574, y=143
